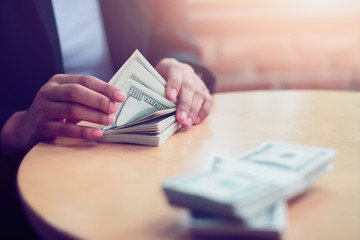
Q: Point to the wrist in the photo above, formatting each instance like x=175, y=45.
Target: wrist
x=13, y=139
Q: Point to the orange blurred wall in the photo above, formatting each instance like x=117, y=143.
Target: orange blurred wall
x=279, y=44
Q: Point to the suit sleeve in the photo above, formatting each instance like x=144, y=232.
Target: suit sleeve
x=171, y=37
x=5, y=114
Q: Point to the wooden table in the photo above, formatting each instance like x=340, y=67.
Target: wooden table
x=113, y=191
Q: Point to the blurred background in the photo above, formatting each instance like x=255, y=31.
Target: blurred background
x=279, y=44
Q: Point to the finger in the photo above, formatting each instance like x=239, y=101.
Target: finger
x=77, y=112
x=55, y=129
x=205, y=109
x=196, y=104
x=162, y=66
x=174, y=76
x=80, y=94
x=74, y=121
x=185, y=98
x=93, y=83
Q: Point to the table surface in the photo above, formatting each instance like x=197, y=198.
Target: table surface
x=92, y=190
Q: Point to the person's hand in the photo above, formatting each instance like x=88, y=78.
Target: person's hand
x=61, y=103
x=194, y=100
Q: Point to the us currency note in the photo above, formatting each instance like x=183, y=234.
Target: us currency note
x=224, y=194
x=269, y=223
x=138, y=58
x=286, y=155
x=136, y=72
x=142, y=61
x=293, y=167
x=140, y=102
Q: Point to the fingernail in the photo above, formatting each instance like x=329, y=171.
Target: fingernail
x=189, y=121
x=111, y=119
x=97, y=133
x=183, y=116
x=112, y=107
x=119, y=96
x=173, y=94
x=197, y=120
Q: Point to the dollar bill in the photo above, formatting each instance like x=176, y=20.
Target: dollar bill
x=271, y=224
x=143, y=137
x=155, y=125
x=155, y=117
x=140, y=102
x=246, y=195
x=136, y=72
x=237, y=196
x=146, y=116
x=293, y=167
x=138, y=58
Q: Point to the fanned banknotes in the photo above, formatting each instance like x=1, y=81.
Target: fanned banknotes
x=246, y=195
x=146, y=117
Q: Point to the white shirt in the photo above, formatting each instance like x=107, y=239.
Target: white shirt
x=82, y=38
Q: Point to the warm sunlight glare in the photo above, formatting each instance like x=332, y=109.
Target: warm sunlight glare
x=326, y=6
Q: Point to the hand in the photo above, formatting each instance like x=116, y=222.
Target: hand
x=61, y=103
x=194, y=99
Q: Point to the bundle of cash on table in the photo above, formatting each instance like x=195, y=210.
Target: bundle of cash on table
x=146, y=117
x=246, y=195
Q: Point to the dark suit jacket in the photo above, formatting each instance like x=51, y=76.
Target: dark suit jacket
x=30, y=52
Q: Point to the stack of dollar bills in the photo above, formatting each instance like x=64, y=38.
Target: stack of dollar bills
x=246, y=195
x=146, y=117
